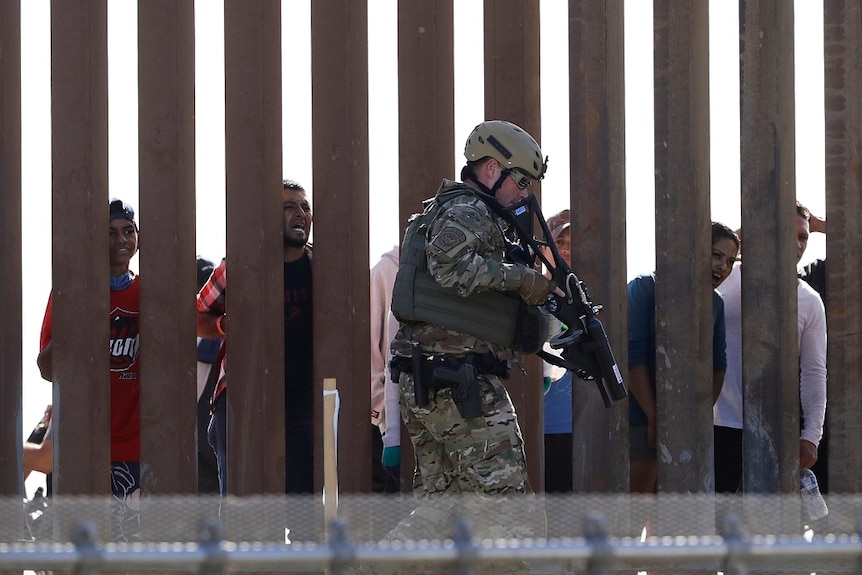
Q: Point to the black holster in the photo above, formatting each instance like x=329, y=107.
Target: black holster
x=460, y=374
x=464, y=385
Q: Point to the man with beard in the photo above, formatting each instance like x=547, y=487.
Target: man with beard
x=298, y=380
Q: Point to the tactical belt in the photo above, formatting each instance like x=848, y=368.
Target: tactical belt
x=486, y=363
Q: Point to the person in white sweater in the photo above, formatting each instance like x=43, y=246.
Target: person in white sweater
x=385, y=415
x=727, y=412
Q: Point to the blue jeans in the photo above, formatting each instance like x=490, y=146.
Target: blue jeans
x=299, y=457
x=217, y=438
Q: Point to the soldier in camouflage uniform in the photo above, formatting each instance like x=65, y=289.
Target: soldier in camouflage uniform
x=464, y=244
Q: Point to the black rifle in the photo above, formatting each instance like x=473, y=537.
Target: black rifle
x=584, y=343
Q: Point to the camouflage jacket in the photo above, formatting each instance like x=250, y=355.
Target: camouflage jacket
x=465, y=246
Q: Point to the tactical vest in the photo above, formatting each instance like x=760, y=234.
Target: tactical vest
x=417, y=297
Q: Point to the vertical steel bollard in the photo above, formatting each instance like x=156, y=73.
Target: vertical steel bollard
x=467, y=557
x=343, y=555
x=859, y=533
x=737, y=548
x=215, y=558
x=89, y=557
x=596, y=534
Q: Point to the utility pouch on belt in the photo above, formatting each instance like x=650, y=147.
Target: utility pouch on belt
x=464, y=385
x=420, y=386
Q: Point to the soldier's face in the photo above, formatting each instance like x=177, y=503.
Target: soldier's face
x=509, y=193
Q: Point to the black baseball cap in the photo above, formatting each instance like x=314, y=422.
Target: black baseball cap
x=121, y=210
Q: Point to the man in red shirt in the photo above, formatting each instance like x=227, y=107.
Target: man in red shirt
x=125, y=368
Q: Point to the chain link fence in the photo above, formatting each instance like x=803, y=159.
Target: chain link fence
x=401, y=534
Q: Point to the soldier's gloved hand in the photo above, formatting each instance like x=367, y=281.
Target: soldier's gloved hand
x=534, y=286
x=391, y=461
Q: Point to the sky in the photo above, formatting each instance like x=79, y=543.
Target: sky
x=383, y=130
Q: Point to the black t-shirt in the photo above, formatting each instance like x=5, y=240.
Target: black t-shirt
x=815, y=275
x=298, y=347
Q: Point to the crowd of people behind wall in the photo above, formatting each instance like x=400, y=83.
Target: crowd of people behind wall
x=464, y=439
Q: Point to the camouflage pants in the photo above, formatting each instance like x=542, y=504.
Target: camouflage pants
x=480, y=461
x=455, y=455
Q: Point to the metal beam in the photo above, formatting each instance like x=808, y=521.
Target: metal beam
x=253, y=146
x=166, y=134
x=598, y=195
x=11, y=482
x=843, y=93
x=426, y=118
x=684, y=364
x=339, y=44
x=769, y=310
x=512, y=93
x=79, y=149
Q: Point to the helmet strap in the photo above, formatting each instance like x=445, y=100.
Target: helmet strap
x=467, y=173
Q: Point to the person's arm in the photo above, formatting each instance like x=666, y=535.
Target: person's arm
x=717, y=384
x=39, y=456
x=45, y=362
x=382, y=279
x=641, y=390
x=207, y=324
x=45, y=357
x=391, y=456
x=817, y=224
x=461, y=255
x=392, y=435
x=641, y=324
x=812, y=378
x=212, y=318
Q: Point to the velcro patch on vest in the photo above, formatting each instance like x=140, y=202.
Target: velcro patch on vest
x=449, y=238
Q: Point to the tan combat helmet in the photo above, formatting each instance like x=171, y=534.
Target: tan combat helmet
x=508, y=144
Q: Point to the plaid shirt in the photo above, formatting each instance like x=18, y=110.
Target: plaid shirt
x=211, y=298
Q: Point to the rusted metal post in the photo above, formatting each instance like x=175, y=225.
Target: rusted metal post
x=255, y=403
x=79, y=149
x=426, y=107
x=512, y=93
x=339, y=77
x=11, y=482
x=598, y=196
x=684, y=358
x=769, y=311
x=166, y=134
x=426, y=117
x=843, y=93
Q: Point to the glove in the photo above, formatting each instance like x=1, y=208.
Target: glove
x=535, y=287
x=391, y=461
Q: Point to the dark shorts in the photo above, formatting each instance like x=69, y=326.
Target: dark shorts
x=638, y=444
x=728, y=459
x=125, y=501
